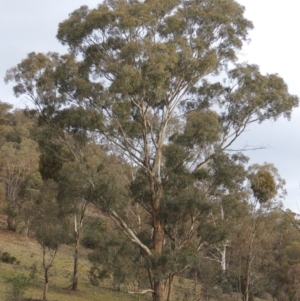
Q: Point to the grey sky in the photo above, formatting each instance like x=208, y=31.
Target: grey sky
x=275, y=47
x=31, y=25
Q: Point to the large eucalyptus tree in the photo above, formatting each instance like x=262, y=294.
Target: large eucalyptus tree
x=139, y=79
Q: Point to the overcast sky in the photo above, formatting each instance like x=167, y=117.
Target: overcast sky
x=31, y=25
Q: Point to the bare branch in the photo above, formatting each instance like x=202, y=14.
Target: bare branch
x=123, y=225
x=149, y=290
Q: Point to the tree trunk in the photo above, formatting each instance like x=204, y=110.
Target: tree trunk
x=77, y=232
x=158, y=239
x=46, y=285
x=223, y=251
x=223, y=257
x=246, y=293
x=75, y=270
x=11, y=224
x=158, y=232
x=159, y=290
x=195, y=283
x=170, y=288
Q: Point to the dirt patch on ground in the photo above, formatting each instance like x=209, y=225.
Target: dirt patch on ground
x=13, y=240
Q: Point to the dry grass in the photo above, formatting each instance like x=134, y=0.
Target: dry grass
x=29, y=253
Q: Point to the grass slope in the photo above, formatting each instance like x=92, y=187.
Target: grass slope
x=29, y=252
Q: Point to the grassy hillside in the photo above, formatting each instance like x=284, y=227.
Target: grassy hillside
x=29, y=253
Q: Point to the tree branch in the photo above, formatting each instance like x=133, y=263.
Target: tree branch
x=123, y=225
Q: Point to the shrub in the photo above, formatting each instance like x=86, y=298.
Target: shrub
x=16, y=287
x=6, y=257
x=33, y=273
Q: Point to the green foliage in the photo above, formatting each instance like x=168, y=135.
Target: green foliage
x=12, y=213
x=202, y=128
x=263, y=186
x=116, y=256
x=228, y=172
x=259, y=94
x=49, y=222
x=33, y=274
x=96, y=274
x=140, y=188
x=92, y=231
x=98, y=178
x=17, y=286
x=7, y=258
x=175, y=155
x=266, y=183
x=211, y=277
x=292, y=252
x=18, y=154
x=49, y=166
x=30, y=189
x=50, y=232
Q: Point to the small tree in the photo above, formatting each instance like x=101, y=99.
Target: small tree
x=253, y=240
x=17, y=285
x=18, y=159
x=50, y=228
x=90, y=180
